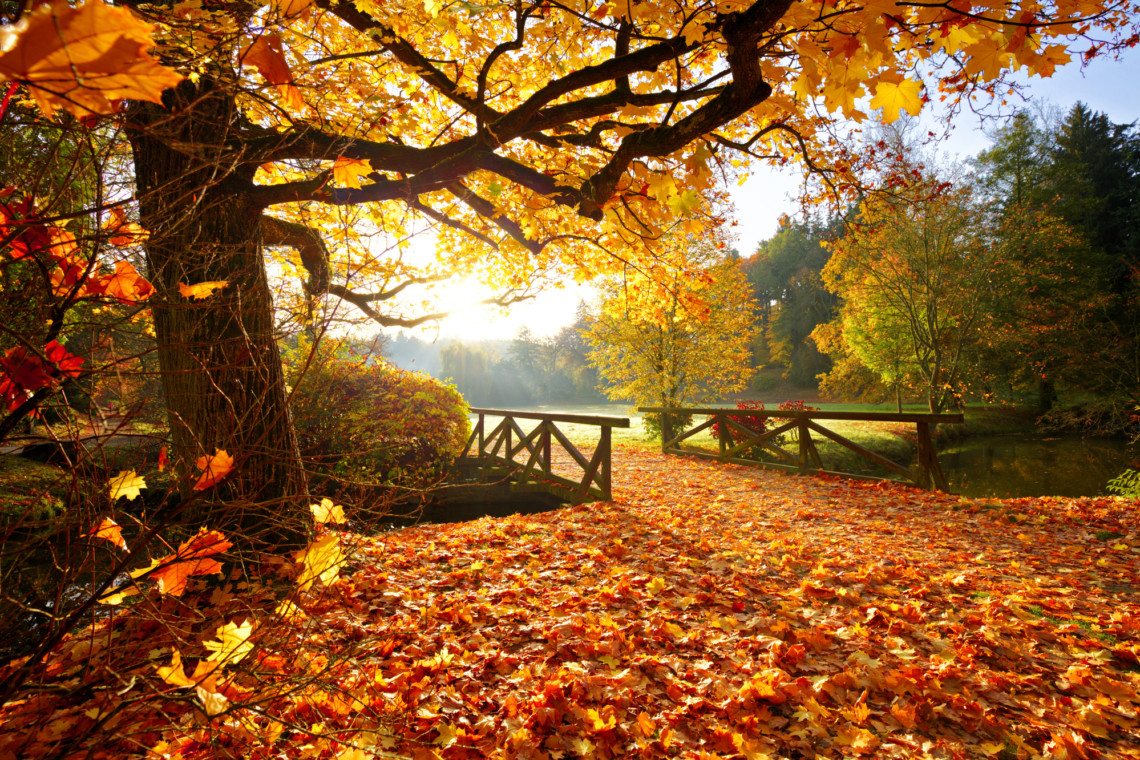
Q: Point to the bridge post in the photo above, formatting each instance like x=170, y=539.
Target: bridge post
x=604, y=448
x=546, y=446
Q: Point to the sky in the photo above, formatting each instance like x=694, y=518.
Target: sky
x=1108, y=86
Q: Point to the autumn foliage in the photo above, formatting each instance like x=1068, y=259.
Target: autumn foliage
x=709, y=611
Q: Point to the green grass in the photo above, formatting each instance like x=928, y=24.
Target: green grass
x=896, y=441
x=30, y=492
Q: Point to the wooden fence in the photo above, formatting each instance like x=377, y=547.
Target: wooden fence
x=736, y=440
x=526, y=456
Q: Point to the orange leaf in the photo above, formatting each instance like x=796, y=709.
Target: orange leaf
x=192, y=558
x=126, y=284
x=85, y=59
x=265, y=55
x=110, y=530
x=214, y=468
x=123, y=232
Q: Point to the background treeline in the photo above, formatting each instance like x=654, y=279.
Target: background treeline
x=526, y=370
x=1044, y=244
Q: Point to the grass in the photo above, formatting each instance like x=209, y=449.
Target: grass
x=893, y=440
x=30, y=492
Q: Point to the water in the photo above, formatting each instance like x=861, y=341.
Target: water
x=1014, y=466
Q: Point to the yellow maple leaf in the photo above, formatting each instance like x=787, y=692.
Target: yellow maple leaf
x=233, y=643
x=655, y=586
x=320, y=560
x=348, y=171
x=684, y=202
x=85, y=59
x=327, y=512
x=173, y=673
x=127, y=483
x=895, y=98
x=290, y=612
x=202, y=289
x=110, y=530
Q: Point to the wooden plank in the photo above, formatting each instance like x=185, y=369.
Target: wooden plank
x=795, y=415
x=864, y=452
x=761, y=439
x=588, y=477
x=671, y=443
x=581, y=419
x=570, y=448
x=607, y=482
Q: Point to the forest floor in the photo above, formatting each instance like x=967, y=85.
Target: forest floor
x=707, y=611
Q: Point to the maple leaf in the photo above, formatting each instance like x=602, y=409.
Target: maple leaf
x=233, y=643
x=684, y=202
x=85, y=59
x=894, y=98
x=214, y=468
x=163, y=459
x=213, y=702
x=193, y=557
x=126, y=285
x=109, y=529
x=320, y=560
x=173, y=673
x=201, y=290
x=348, y=171
x=327, y=512
x=290, y=612
x=267, y=55
x=447, y=734
x=123, y=233
x=127, y=483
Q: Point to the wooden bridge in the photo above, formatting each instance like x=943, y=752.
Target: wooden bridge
x=528, y=460
x=737, y=440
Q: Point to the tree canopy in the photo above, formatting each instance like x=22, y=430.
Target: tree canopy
x=531, y=140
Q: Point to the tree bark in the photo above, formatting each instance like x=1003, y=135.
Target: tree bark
x=221, y=368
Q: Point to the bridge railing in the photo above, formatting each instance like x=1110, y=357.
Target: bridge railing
x=527, y=456
x=737, y=440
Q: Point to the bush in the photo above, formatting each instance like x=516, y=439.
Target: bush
x=759, y=424
x=652, y=423
x=755, y=424
x=1126, y=484
x=369, y=423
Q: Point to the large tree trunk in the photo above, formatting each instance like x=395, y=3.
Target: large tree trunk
x=221, y=368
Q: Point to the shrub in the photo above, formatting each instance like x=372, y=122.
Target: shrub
x=756, y=424
x=652, y=423
x=370, y=423
x=1126, y=484
x=759, y=424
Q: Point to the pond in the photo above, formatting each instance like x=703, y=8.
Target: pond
x=1013, y=466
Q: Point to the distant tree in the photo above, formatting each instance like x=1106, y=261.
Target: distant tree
x=784, y=275
x=1065, y=203
x=911, y=271
x=678, y=341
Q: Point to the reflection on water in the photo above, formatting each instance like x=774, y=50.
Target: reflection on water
x=1012, y=466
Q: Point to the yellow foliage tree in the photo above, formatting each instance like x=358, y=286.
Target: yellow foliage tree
x=532, y=139
x=679, y=336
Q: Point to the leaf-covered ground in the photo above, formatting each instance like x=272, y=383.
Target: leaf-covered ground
x=709, y=611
